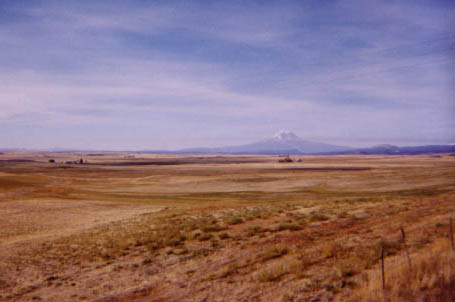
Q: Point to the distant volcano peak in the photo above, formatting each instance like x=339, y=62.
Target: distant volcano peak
x=285, y=135
x=284, y=142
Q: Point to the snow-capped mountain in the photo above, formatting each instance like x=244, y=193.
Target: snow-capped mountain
x=281, y=143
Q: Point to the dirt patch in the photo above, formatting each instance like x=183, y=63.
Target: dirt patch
x=329, y=169
x=182, y=161
x=17, y=161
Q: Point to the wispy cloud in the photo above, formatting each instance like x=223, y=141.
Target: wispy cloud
x=341, y=71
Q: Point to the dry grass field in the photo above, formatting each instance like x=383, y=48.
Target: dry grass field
x=143, y=227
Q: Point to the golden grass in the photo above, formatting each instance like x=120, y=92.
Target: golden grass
x=273, y=272
x=431, y=277
x=256, y=226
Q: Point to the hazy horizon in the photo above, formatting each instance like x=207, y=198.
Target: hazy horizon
x=167, y=75
x=356, y=145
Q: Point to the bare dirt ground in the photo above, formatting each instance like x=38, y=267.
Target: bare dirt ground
x=218, y=228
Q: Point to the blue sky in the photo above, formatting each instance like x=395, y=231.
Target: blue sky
x=171, y=74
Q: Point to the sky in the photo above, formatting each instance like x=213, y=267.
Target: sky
x=142, y=75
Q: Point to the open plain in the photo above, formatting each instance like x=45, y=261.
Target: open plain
x=147, y=227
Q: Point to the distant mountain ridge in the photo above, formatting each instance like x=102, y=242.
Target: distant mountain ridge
x=285, y=143
x=288, y=143
x=281, y=143
x=395, y=150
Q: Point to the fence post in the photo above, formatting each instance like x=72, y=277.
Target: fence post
x=403, y=235
x=451, y=235
x=382, y=268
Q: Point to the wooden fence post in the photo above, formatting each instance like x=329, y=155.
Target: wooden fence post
x=382, y=268
x=451, y=235
x=403, y=235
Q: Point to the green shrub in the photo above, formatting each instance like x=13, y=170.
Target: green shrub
x=205, y=237
x=233, y=220
x=224, y=236
x=318, y=217
x=212, y=228
x=287, y=226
